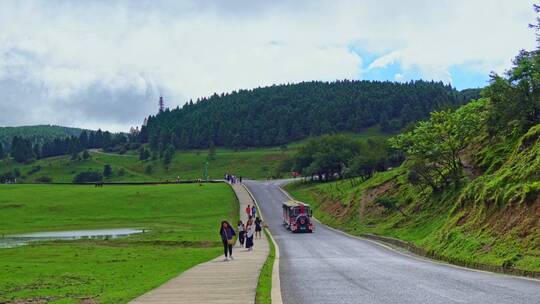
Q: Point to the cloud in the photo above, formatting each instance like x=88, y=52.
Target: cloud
x=102, y=64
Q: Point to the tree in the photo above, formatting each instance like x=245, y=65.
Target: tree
x=2, y=153
x=168, y=155
x=36, y=150
x=211, y=150
x=21, y=149
x=75, y=156
x=433, y=148
x=148, y=169
x=107, y=170
x=85, y=155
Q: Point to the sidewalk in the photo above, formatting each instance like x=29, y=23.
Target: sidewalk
x=216, y=281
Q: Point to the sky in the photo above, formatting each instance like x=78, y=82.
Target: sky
x=104, y=64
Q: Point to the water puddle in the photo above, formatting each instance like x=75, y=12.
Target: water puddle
x=14, y=240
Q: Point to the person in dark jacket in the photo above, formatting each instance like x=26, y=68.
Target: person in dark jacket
x=227, y=237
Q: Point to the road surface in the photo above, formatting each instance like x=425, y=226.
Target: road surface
x=329, y=267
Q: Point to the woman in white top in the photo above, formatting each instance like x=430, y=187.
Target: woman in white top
x=250, y=232
x=241, y=233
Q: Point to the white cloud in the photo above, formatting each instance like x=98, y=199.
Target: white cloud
x=59, y=58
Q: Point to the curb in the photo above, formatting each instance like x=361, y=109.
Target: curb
x=276, y=283
x=407, y=253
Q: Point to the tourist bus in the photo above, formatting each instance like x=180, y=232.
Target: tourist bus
x=297, y=216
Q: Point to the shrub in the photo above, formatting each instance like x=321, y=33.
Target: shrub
x=43, y=179
x=107, y=170
x=88, y=177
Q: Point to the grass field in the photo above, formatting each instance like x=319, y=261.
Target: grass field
x=182, y=220
x=251, y=163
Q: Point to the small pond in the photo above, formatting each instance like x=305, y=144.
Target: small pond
x=14, y=240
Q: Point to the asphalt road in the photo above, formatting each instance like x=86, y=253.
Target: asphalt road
x=329, y=267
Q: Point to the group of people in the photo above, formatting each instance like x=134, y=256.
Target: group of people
x=246, y=232
x=233, y=179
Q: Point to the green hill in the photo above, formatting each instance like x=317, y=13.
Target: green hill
x=279, y=114
x=36, y=134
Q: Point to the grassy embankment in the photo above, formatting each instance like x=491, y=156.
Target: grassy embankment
x=264, y=286
x=182, y=221
x=492, y=217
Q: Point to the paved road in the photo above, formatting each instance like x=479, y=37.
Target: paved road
x=329, y=267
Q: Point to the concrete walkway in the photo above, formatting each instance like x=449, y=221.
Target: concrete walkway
x=217, y=281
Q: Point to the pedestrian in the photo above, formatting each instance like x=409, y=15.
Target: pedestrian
x=258, y=227
x=254, y=211
x=227, y=237
x=241, y=233
x=248, y=211
x=240, y=179
x=250, y=231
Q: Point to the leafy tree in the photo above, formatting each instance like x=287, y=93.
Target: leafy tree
x=433, y=148
x=85, y=155
x=21, y=149
x=107, y=170
x=168, y=155
x=2, y=153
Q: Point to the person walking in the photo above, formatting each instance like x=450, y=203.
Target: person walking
x=250, y=231
x=241, y=233
x=254, y=211
x=227, y=237
x=248, y=211
x=258, y=227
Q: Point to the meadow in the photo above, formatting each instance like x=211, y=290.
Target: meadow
x=257, y=163
x=181, y=223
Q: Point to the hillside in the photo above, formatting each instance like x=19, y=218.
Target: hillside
x=36, y=134
x=468, y=191
x=253, y=163
x=492, y=218
x=281, y=114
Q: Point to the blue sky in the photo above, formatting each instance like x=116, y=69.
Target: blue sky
x=103, y=64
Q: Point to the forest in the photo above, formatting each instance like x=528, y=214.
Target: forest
x=281, y=114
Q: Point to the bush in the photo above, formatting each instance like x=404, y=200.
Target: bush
x=88, y=177
x=85, y=155
x=107, y=170
x=148, y=169
x=43, y=179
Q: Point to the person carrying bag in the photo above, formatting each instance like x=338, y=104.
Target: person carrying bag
x=227, y=237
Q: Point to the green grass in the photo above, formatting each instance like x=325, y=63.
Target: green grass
x=251, y=163
x=264, y=286
x=182, y=221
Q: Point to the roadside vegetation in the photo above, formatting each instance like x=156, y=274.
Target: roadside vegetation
x=469, y=189
x=264, y=286
x=180, y=232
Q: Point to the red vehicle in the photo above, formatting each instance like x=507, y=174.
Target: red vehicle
x=297, y=216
